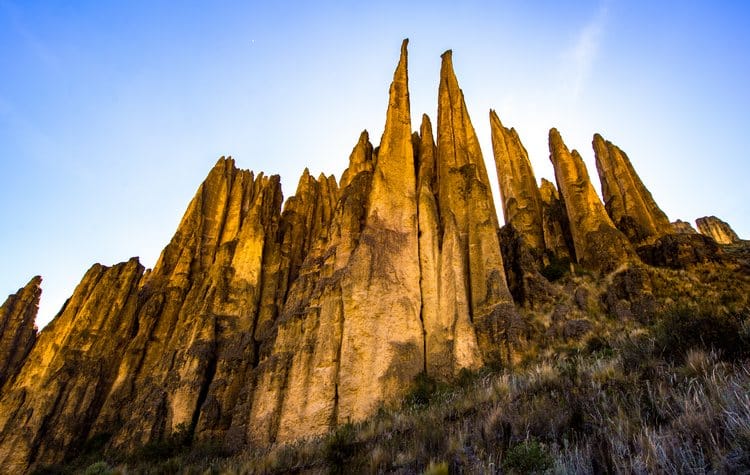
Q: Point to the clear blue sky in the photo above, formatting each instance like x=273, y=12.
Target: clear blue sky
x=111, y=113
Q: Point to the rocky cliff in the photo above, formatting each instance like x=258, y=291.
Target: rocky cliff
x=17, y=329
x=717, y=229
x=263, y=323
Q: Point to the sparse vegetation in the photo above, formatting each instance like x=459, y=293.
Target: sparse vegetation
x=669, y=396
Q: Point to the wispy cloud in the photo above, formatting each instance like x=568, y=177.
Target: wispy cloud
x=580, y=57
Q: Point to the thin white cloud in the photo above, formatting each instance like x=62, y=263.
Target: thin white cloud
x=580, y=57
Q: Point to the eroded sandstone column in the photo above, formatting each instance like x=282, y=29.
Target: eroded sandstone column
x=626, y=199
x=471, y=262
x=599, y=245
x=522, y=203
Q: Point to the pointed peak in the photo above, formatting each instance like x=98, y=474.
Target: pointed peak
x=404, y=44
x=322, y=177
x=426, y=125
x=447, y=55
x=306, y=172
x=556, y=140
x=364, y=137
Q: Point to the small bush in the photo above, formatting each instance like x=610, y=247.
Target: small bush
x=340, y=447
x=527, y=457
x=436, y=469
x=682, y=329
x=98, y=468
x=556, y=269
x=422, y=392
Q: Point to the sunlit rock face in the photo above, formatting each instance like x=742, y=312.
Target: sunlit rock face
x=522, y=201
x=17, y=329
x=627, y=201
x=598, y=243
x=717, y=229
x=48, y=409
x=262, y=323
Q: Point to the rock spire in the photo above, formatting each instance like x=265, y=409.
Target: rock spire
x=599, y=245
x=627, y=201
x=522, y=202
x=471, y=248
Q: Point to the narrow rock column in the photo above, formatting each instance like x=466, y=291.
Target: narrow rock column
x=522, y=203
x=382, y=345
x=626, y=199
x=599, y=245
x=471, y=268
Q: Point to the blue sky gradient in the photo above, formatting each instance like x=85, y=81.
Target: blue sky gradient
x=112, y=113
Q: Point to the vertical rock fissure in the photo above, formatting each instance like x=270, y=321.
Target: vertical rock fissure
x=208, y=378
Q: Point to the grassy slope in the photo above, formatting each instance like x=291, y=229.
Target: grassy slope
x=667, y=393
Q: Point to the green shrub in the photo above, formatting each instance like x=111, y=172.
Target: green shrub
x=527, y=457
x=683, y=328
x=340, y=447
x=556, y=269
x=436, y=469
x=422, y=392
x=98, y=468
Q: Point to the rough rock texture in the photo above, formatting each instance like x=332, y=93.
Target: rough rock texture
x=261, y=324
x=683, y=227
x=599, y=245
x=470, y=247
x=522, y=202
x=47, y=411
x=717, y=229
x=557, y=237
x=680, y=250
x=17, y=329
x=627, y=201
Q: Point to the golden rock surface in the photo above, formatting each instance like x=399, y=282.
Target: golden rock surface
x=717, y=229
x=599, y=245
x=17, y=329
x=262, y=324
x=522, y=202
x=626, y=199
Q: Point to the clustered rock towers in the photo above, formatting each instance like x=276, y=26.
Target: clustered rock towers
x=259, y=325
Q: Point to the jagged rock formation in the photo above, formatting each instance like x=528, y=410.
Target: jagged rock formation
x=522, y=202
x=48, y=409
x=557, y=237
x=17, y=329
x=470, y=246
x=717, y=229
x=683, y=227
x=262, y=324
x=627, y=201
x=598, y=243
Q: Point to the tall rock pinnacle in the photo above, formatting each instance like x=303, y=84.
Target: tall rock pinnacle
x=470, y=245
x=351, y=327
x=599, y=245
x=382, y=342
x=627, y=201
x=17, y=329
x=522, y=203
